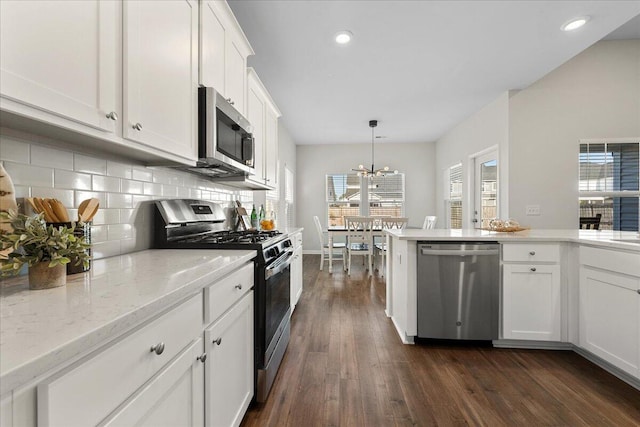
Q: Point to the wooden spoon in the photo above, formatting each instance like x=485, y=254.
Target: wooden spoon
x=40, y=208
x=49, y=208
x=33, y=205
x=59, y=210
x=82, y=207
x=89, y=211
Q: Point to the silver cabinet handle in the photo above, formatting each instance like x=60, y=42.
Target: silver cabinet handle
x=238, y=287
x=532, y=253
x=113, y=116
x=532, y=269
x=218, y=341
x=137, y=126
x=639, y=291
x=158, y=348
x=230, y=101
x=202, y=357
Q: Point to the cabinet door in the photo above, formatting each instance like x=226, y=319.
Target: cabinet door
x=161, y=75
x=212, y=48
x=531, y=298
x=296, y=277
x=610, y=317
x=175, y=397
x=271, y=147
x=255, y=114
x=229, y=369
x=61, y=57
x=236, y=72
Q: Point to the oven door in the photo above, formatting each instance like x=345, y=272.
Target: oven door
x=277, y=300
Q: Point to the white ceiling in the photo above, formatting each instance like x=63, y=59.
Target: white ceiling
x=419, y=67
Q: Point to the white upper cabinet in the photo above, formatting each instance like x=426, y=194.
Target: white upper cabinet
x=161, y=75
x=62, y=58
x=263, y=115
x=223, y=53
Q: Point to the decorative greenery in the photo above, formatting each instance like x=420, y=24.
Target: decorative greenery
x=33, y=242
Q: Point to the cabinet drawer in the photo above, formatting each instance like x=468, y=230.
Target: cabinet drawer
x=87, y=393
x=608, y=259
x=223, y=294
x=531, y=252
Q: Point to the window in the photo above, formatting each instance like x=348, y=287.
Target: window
x=454, y=198
x=343, y=197
x=272, y=204
x=386, y=195
x=288, y=196
x=349, y=194
x=609, y=183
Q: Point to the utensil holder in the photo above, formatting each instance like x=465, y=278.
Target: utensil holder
x=81, y=230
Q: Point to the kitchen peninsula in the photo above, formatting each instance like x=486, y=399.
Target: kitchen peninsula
x=571, y=288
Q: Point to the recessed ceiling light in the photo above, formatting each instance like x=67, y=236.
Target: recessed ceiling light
x=575, y=23
x=343, y=37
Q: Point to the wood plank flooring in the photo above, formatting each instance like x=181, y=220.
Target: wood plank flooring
x=346, y=366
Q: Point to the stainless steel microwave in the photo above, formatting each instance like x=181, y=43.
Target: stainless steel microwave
x=225, y=142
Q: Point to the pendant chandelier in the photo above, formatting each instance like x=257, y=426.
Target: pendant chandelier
x=362, y=171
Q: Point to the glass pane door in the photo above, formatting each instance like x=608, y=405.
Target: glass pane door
x=485, y=190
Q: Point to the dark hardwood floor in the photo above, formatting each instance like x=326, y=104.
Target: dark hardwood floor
x=346, y=366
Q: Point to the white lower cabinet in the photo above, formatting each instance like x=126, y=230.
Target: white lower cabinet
x=531, y=292
x=610, y=307
x=86, y=394
x=229, y=369
x=296, y=271
x=531, y=302
x=173, y=398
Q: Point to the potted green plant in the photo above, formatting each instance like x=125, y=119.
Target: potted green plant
x=46, y=249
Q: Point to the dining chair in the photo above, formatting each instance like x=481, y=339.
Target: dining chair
x=389, y=223
x=590, y=222
x=359, y=241
x=324, y=247
x=429, y=222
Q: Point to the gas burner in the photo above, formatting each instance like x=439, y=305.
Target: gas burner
x=240, y=237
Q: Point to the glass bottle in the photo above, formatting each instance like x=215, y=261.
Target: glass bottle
x=261, y=218
x=254, y=218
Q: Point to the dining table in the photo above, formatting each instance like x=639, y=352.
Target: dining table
x=341, y=231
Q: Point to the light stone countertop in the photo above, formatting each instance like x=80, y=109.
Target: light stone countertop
x=600, y=238
x=40, y=330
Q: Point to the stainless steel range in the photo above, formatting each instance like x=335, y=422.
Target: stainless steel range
x=199, y=224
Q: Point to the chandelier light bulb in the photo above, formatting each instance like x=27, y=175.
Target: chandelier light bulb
x=360, y=166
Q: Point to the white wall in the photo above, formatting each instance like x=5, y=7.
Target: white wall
x=314, y=162
x=487, y=128
x=594, y=95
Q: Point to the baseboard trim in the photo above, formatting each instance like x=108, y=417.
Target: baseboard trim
x=613, y=370
x=406, y=339
x=533, y=345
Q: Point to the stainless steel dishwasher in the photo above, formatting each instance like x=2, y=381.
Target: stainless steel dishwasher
x=458, y=290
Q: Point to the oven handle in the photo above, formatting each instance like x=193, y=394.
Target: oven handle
x=277, y=266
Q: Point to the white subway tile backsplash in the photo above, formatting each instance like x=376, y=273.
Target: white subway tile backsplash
x=51, y=157
x=105, y=249
x=98, y=233
x=65, y=196
x=119, y=231
x=88, y=164
x=131, y=187
x=71, y=180
x=118, y=200
x=106, y=183
x=151, y=189
x=142, y=174
x=120, y=170
x=13, y=151
x=126, y=192
x=22, y=191
x=84, y=195
x=169, y=191
x=29, y=175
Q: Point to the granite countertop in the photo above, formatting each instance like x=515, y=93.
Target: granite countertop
x=42, y=329
x=600, y=238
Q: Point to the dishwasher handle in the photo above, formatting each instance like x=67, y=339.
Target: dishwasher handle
x=459, y=252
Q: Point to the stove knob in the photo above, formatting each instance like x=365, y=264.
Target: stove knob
x=286, y=243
